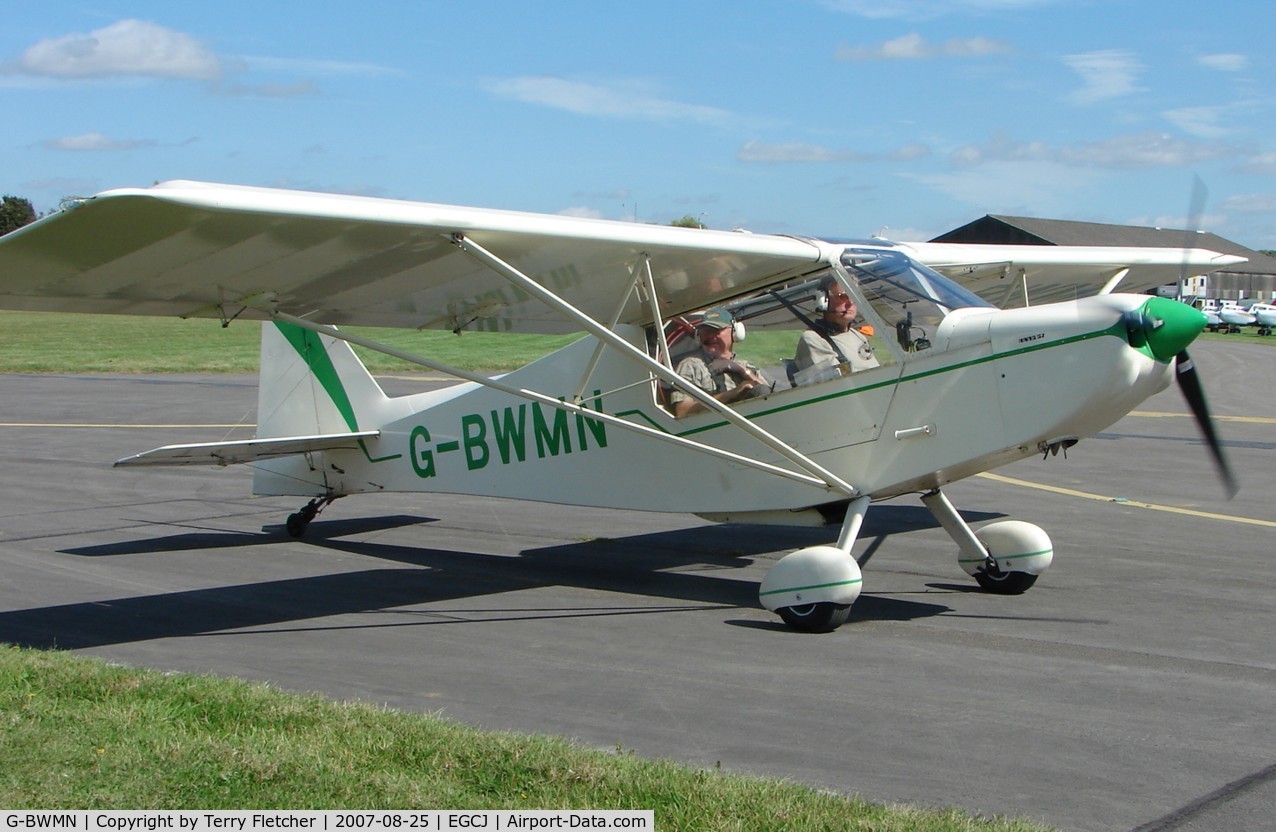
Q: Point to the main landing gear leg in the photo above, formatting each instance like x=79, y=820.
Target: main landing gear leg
x=298, y=522
x=1004, y=557
x=812, y=589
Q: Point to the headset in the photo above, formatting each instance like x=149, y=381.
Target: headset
x=822, y=298
x=737, y=331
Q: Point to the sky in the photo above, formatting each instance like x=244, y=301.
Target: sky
x=829, y=118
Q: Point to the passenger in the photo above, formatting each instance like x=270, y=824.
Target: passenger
x=715, y=369
x=833, y=341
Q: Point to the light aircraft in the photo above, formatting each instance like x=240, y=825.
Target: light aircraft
x=1230, y=315
x=1265, y=316
x=959, y=386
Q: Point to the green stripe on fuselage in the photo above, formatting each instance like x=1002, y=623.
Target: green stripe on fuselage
x=1116, y=330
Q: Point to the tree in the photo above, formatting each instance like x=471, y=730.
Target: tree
x=688, y=221
x=15, y=212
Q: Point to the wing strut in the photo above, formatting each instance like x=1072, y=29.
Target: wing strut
x=1112, y=283
x=642, y=272
x=598, y=351
x=593, y=327
x=662, y=343
x=570, y=407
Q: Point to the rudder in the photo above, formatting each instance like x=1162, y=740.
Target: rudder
x=313, y=384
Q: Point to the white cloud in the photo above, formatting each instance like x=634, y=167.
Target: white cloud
x=1250, y=204
x=1224, y=62
x=306, y=66
x=616, y=195
x=889, y=232
x=1134, y=150
x=126, y=48
x=1001, y=149
x=623, y=101
x=1010, y=186
x=583, y=213
x=803, y=152
x=1260, y=163
x=1107, y=73
x=1143, y=150
x=94, y=142
x=296, y=89
x=914, y=47
x=1201, y=121
x=1178, y=221
x=927, y=9
x=789, y=152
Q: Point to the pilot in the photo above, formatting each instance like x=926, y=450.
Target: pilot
x=714, y=367
x=834, y=341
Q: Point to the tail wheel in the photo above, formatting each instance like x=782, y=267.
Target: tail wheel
x=296, y=524
x=816, y=618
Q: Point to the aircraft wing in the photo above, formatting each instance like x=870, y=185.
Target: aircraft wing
x=193, y=249
x=247, y=450
x=999, y=273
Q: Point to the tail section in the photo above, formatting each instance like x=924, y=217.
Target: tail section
x=313, y=384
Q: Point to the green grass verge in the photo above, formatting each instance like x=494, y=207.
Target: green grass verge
x=40, y=342
x=81, y=734
x=1240, y=338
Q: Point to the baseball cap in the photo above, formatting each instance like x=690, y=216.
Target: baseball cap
x=718, y=317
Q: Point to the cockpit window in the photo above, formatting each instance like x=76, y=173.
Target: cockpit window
x=866, y=311
x=910, y=297
x=883, y=270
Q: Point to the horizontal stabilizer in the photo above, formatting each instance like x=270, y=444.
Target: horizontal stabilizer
x=247, y=450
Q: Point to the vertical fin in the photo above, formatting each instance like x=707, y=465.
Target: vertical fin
x=311, y=383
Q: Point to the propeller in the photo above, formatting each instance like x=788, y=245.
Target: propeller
x=1190, y=385
x=1164, y=328
x=1184, y=368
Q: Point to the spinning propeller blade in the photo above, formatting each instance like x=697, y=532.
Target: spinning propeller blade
x=1190, y=384
x=1195, y=206
x=1184, y=369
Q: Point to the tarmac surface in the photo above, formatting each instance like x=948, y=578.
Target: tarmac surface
x=1134, y=687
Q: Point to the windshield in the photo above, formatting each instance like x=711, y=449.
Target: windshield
x=908, y=296
x=896, y=275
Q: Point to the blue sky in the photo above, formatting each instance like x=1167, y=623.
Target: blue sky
x=833, y=118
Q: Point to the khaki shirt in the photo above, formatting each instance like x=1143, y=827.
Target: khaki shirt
x=695, y=369
x=814, y=350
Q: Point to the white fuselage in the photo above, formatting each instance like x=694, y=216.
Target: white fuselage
x=1228, y=312
x=1264, y=313
x=993, y=388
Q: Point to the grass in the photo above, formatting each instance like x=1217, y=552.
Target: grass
x=1240, y=338
x=81, y=734
x=44, y=342
x=40, y=342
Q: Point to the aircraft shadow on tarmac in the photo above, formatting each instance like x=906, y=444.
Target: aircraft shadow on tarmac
x=650, y=565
